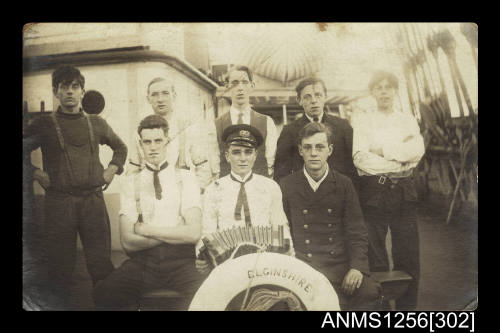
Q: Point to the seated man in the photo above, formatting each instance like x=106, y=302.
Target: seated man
x=242, y=198
x=160, y=222
x=188, y=146
x=327, y=223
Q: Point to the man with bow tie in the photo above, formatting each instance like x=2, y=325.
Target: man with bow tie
x=242, y=198
x=311, y=95
x=160, y=223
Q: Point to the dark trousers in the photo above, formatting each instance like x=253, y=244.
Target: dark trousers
x=365, y=298
x=122, y=289
x=65, y=216
x=401, y=216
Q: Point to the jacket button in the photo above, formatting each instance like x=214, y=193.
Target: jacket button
x=331, y=252
x=329, y=210
x=330, y=239
x=304, y=211
x=309, y=255
x=329, y=225
x=392, y=186
x=306, y=226
x=308, y=241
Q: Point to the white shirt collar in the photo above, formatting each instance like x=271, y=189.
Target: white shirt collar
x=315, y=184
x=244, y=179
x=154, y=167
x=320, y=117
x=235, y=112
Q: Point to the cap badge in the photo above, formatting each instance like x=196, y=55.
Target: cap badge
x=244, y=133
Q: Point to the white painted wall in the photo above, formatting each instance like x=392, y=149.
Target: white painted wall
x=124, y=88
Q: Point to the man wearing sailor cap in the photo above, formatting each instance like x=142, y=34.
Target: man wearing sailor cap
x=242, y=198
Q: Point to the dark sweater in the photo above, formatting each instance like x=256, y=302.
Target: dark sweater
x=86, y=167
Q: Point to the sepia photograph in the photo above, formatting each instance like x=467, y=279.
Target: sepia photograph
x=209, y=166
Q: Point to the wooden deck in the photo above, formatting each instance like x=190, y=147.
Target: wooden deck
x=448, y=255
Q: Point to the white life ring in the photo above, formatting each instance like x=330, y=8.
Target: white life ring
x=233, y=276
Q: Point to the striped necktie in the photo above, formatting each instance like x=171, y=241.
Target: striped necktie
x=242, y=201
x=156, y=179
x=240, y=118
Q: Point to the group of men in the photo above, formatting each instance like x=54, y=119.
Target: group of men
x=306, y=180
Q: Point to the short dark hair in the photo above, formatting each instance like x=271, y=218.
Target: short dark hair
x=314, y=128
x=239, y=68
x=153, y=121
x=66, y=74
x=159, y=79
x=309, y=81
x=383, y=75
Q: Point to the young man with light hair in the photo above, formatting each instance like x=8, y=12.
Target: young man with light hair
x=189, y=147
x=387, y=147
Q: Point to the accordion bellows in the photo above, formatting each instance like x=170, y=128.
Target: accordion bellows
x=220, y=245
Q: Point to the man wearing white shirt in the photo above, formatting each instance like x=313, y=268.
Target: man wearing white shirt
x=387, y=146
x=240, y=84
x=160, y=223
x=188, y=146
x=242, y=198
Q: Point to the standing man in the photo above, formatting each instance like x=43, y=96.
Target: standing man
x=160, y=223
x=326, y=222
x=188, y=144
x=242, y=198
x=73, y=178
x=387, y=146
x=240, y=83
x=311, y=95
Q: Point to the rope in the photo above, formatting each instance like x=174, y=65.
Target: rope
x=251, y=279
x=264, y=299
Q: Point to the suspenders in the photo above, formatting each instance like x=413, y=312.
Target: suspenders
x=137, y=196
x=63, y=145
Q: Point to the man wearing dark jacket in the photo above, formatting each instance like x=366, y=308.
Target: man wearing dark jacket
x=311, y=95
x=73, y=177
x=326, y=222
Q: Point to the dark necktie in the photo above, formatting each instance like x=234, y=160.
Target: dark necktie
x=316, y=119
x=156, y=179
x=242, y=201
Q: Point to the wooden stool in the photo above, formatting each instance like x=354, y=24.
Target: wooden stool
x=394, y=284
x=162, y=300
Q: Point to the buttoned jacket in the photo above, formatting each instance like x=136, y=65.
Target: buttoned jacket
x=289, y=161
x=327, y=226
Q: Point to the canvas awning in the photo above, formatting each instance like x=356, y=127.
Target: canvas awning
x=284, y=54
